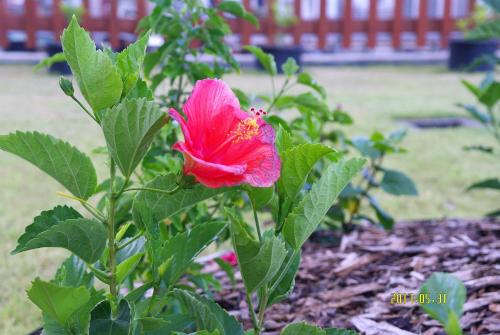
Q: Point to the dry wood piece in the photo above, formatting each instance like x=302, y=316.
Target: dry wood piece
x=485, y=300
x=370, y=327
x=483, y=282
x=351, y=285
x=353, y=262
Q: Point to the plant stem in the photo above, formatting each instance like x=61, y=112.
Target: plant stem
x=257, y=224
x=253, y=315
x=172, y=191
x=111, y=236
x=280, y=93
x=84, y=109
x=496, y=130
x=179, y=92
x=91, y=209
x=151, y=302
x=263, y=307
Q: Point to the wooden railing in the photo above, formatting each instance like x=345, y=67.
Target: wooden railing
x=29, y=18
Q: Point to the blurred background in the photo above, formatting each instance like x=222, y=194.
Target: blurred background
x=391, y=64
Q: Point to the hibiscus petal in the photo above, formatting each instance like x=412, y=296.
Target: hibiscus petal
x=208, y=100
x=210, y=174
x=185, y=130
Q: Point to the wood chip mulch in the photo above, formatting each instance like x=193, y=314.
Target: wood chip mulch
x=350, y=285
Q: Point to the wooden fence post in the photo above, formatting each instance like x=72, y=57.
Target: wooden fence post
x=141, y=9
x=3, y=25
x=57, y=19
x=323, y=25
x=297, y=29
x=397, y=24
x=422, y=22
x=86, y=14
x=270, y=22
x=347, y=24
x=245, y=26
x=30, y=15
x=446, y=23
x=113, y=31
x=472, y=4
x=372, y=24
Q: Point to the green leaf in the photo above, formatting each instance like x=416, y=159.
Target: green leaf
x=309, y=213
x=129, y=129
x=236, y=8
x=476, y=113
x=183, y=248
x=60, y=303
x=60, y=160
x=166, y=325
x=297, y=163
x=472, y=88
x=258, y=262
x=306, y=79
x=309, y=101
x=103, y=323
x=126, y=267
x=242, y=97
x=302, y=328
x=164, y=205
x=43, y=222
x=140, y=90
x=83, y=237
x=260, y=196
x=290, y=67
x=97, y=77
x=287, y=283
x=491, y=183
x=203, y=332
x=283, y=140
x=448, y=313
x=267, y=60
x=398, y=183
x=491, y=95
x=385, y=219
x=129, y=62
x=228, y=269
x=49, y=61
x=207, y=314
x=485, y=31
x=366, y=147
x=73, y=272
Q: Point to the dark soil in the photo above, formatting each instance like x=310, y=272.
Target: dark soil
x=350, y=285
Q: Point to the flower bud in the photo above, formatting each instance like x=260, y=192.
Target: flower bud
x=67, y=86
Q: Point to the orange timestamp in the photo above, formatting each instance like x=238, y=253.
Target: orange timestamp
x=401, y=298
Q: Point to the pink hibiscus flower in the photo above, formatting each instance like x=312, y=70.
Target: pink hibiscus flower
x=223, y=145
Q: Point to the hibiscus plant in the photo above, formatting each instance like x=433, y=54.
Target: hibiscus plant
x=318, y=122
x=126, y=271
x=487, y=94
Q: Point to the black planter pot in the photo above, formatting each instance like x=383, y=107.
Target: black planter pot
x=468, y=55
x=16, y=46
x=59, y=67
x=281, y=54
x=36, y=332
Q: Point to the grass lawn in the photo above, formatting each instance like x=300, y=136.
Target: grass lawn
x=375, y=96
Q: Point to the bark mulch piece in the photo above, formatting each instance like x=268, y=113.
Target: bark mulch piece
x=351, y=285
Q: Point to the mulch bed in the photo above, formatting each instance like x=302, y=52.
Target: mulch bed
x=350, y=285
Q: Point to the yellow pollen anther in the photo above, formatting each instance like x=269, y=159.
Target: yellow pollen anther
x=245, y=130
